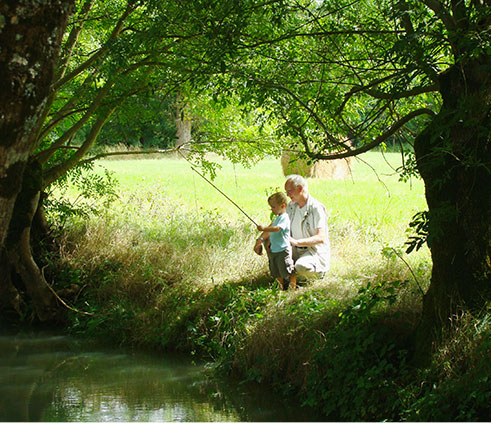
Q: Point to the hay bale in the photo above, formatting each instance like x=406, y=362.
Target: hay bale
x=322, y=169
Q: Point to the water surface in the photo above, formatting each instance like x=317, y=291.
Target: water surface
x=46, y=377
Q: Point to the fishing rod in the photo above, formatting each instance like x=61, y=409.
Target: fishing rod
x=218, y=189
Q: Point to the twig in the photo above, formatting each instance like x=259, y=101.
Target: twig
x=410, y=269
x=63, y=302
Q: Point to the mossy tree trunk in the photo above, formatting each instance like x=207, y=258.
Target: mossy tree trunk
x=454, y=159
x=30, y=38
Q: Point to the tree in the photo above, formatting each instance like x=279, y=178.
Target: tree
x=338, y=78
x=115, y=53
x=365, y=70
x=147, y=121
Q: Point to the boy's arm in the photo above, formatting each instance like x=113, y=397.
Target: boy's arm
x=268, y=228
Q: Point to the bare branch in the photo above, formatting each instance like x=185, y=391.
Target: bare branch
x=377, y=141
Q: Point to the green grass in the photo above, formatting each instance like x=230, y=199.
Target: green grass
x=368, y=212
x=170, y=223
x=170, y=266
x=372, y=196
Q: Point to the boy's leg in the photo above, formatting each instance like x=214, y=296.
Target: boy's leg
x=281, y=282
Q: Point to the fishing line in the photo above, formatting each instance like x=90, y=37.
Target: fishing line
x=218, y=189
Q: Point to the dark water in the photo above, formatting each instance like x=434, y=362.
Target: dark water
x=56, y=378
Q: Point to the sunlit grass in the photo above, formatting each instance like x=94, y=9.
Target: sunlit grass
x=367, y=212
x=373, y=195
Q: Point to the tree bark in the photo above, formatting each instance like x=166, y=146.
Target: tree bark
x=454, y=158
x=18, y=244
x=10, y=299
x=30, y=38
x=183, y=124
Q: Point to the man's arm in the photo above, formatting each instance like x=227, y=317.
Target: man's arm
x=318, y=238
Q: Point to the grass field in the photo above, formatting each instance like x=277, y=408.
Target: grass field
x=372, y=196
x=368, y=212
x=165, y=201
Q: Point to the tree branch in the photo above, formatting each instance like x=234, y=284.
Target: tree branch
x=63, y=112
x=442, y=13
x=130, y=7
x=459, y=12
x=55, y=172
x=305, y=106
x=44, y=155
x=73, y=38
x=402, y=94
x=377, y=141
x=128, y=153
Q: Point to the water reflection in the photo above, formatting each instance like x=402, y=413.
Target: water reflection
x=56, y=378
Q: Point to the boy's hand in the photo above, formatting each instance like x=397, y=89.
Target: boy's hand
x=260, y=228
x=258, y=249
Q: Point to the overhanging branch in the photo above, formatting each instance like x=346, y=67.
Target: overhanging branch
x=377, y=141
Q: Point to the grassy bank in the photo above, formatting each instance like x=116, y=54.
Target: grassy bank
x=170, y=266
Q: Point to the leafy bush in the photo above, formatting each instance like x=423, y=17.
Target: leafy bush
x=81, y=192
x=354, y=371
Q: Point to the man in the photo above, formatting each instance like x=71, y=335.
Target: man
x=309, y=231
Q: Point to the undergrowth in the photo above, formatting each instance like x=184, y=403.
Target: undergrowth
x=188, y=281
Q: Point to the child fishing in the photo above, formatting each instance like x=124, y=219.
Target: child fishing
x=280, y=255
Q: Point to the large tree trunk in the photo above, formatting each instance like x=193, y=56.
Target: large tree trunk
x=454, y=159
x=18, y=244
x=30, y=37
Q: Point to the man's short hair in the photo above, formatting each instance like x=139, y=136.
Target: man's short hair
x=298, y=181
x=278, y=198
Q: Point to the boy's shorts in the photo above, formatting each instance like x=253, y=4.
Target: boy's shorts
x=281, y=264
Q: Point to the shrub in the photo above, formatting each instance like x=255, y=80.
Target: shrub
x=355, y=369
x=456, y=387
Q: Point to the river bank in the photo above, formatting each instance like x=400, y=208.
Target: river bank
x=156, y=273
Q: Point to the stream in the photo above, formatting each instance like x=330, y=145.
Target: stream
x=49, y=377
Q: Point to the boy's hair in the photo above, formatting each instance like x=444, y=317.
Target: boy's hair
x=278, y=198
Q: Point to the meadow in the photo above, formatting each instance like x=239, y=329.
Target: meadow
x=372, y=195
x=369, y=212
x=169, y=266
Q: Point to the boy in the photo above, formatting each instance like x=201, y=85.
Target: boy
x=280, y=257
